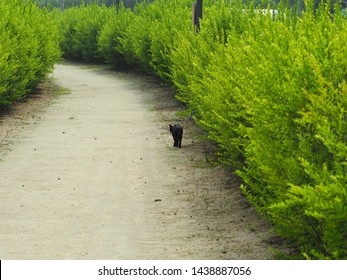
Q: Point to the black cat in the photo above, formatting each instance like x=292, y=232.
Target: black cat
x=177, y=133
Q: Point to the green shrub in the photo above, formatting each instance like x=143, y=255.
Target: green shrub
x=29, y=48
x=113, y=39
x=171, y=21
x=271, y=94
x=136, y=42
x=80, y=29
x=320, y=203
x=146, y=36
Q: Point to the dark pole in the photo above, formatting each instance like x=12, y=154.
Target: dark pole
x=62, y=4
x=199, y=8
x=197, y=14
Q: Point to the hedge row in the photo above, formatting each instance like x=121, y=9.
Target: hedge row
x=28, y=48
x=268, y=87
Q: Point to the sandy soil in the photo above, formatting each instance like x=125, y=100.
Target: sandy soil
x=92, y=174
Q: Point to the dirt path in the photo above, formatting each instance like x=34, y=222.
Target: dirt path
x=94, y=176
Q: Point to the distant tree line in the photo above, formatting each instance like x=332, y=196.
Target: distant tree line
x=63, y=4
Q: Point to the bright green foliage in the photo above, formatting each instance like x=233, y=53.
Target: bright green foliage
x=152, y=35
x=268, y=87
x=113, y=39
x=80, y=29
x=28, y=48
x=145, y=36
x=170, y=20
x=320, y=196
x=271, y=93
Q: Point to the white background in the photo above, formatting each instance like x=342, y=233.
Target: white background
x=88, y=270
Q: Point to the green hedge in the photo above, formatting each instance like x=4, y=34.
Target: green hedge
x=268, y=87
x=80, y=28
x=113, y=39
x=28, y=48
x=145, y=36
